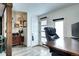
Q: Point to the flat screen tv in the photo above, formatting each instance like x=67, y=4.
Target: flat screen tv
x=75, y=30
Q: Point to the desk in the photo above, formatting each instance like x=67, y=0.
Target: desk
x=66, y=44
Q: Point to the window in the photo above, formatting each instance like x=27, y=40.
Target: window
x=43, y=34
x=44, y=22
x=43, y=25
x=59, y=28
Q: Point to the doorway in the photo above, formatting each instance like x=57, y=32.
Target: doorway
x=42, y=25
x=19, y=31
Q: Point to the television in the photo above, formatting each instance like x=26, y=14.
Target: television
x=75, y=30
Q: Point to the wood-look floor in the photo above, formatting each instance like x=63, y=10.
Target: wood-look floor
x=29, y=51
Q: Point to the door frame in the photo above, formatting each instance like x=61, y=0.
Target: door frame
x=39, y=29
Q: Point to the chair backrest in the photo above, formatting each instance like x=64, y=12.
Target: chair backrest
x=51, y=33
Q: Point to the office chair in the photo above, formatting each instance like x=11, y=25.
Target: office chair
x=50, y=33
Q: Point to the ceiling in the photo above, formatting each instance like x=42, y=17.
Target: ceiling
x=39, y=8
x=36, y=8
x=1, y=9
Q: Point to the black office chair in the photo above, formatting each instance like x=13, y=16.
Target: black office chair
x=50, y=33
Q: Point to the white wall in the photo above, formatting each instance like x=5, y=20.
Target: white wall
x=29, y=30
x=70, y=15
x=32, y=29
x=35, y=30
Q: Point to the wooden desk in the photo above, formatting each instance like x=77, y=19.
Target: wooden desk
x=66, y=44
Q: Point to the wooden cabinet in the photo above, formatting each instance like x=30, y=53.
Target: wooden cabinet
x=17, y=39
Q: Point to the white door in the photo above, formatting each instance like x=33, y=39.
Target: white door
x=59, y=28
x=43, y=24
